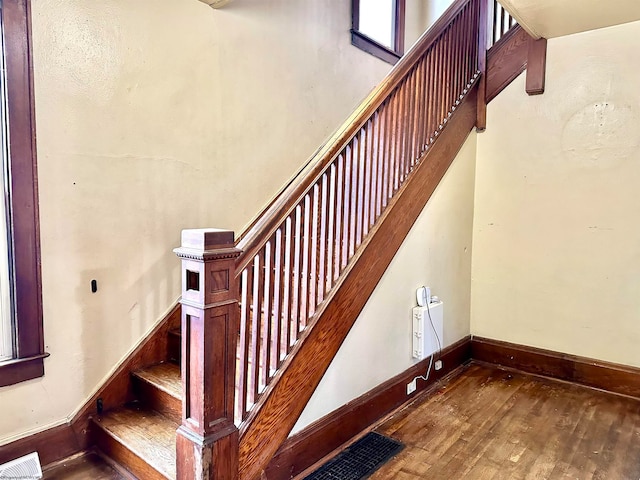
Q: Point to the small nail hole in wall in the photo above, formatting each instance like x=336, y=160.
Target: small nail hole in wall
x=94, y=286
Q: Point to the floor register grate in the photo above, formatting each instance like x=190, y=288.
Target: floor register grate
x=360, y=460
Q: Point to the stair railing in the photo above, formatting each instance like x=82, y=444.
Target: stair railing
x=501, y=22
x=248, y=305
x=295, y=253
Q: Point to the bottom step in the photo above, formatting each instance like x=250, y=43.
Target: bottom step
x=141, y=440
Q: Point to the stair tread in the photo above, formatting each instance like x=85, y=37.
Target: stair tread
x=150, y=435
x=165, y=376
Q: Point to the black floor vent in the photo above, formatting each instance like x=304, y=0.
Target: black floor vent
x=359, y=460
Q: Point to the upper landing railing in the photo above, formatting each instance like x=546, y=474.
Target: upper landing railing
x=501, y=22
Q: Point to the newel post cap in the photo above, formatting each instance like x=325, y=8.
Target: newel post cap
x=207, y=239
x=207, y=243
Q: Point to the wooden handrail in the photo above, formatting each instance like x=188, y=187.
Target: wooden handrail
x=264, y=226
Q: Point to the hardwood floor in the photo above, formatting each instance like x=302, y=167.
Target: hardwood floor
x=81, y=468
x=494, y=424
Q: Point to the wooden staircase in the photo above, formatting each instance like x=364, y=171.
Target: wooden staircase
x=263, y=317
x=141, y=436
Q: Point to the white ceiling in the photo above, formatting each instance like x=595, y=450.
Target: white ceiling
x=554, y=18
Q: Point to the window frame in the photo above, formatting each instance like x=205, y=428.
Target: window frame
x=369, y=45
x=29, y=352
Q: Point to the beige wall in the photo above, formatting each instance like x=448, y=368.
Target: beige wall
x=556, y=253
x=555, y=18
x=437, y=253
x=420, y=15
x=153, y=116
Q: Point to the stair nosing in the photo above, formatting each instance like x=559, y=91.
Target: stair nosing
x=159, y=386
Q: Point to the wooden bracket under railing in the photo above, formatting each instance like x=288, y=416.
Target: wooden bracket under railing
x=536, y=66
x=207, y=441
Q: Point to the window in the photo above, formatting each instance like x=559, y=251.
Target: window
x=20, y=291
x=378, y=28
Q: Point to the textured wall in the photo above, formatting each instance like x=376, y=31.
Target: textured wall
x=556, y=253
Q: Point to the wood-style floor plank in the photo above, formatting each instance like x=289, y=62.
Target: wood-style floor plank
x=492, y=424
x=89, y=466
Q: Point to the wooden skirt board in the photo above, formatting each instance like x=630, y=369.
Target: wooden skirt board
x=494, y=424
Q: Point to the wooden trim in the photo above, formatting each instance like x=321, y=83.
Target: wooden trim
x=319, y=439
x=607, y=376
x=399, y=26
x=355, y=15
x=506, y=60
x=23, y=203
x=22, y=369
x=264, y=226
x=483, y=25
x=369, y=45
x=52, y=445
x=536, y=66
x=281, y=405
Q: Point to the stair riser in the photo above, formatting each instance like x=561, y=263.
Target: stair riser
x=158, y=400
x=125, y=457
x=174, y=347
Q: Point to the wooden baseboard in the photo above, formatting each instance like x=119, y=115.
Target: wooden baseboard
x=330, y=432
x=52, y=445
x=325, y=435
x=607, y=376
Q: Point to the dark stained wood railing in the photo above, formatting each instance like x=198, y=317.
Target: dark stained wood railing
x=295, y=256
x=296, y=252
x=511, y=50
x=502, y=23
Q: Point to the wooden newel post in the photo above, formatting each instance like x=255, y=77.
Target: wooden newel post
x=207, y=440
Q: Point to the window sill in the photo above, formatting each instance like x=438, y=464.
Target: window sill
x=374, y=48
x=21, y=369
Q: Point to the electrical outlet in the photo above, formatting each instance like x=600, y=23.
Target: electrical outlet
x=411, y=387
x=438, y=365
